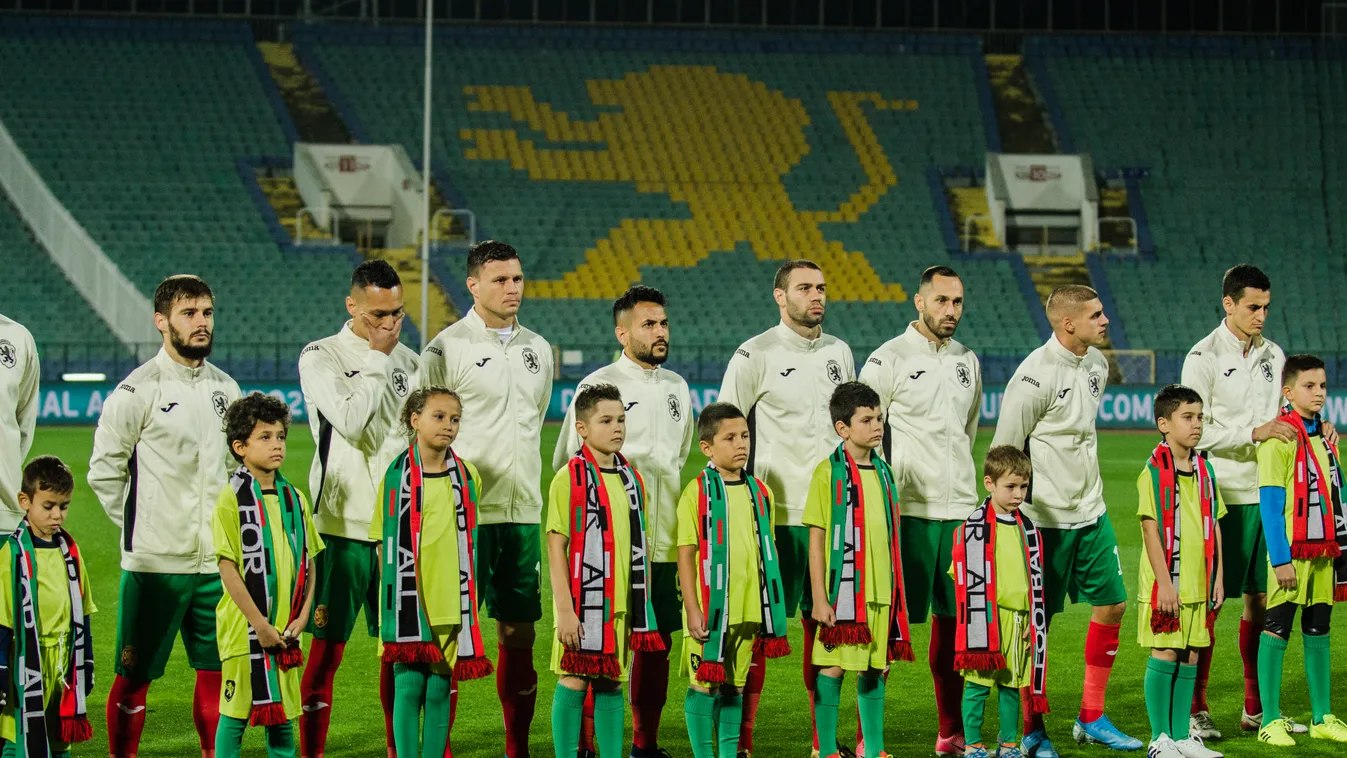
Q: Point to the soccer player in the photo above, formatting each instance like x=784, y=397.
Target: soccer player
x=1178, y=592
x=782, y=380
x=855, y=569
x=930, y=387
x=659, y=436
x=265, y=542
x=1305, y=529
x=732, y=594
x=354, y=383
x=1049, y=410
x=158, y=463
x=19, y=376
x=503, y=374
x=50, y=635
x=598, y=564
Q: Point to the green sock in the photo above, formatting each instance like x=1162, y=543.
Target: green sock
x=409, y=697
x=1318, y=667
x=435, y=729
x=1184, y=684
x=1008, y=702
x=729, y=717
x=974, y=698
x=609, y=716
x=697, y=709
x=568, y=708
x=229, y=737
x=1159, y=688
x=281, y=740
x=1271, y=652
x=870, y=703
x=827, y=696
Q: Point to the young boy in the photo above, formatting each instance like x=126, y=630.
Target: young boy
x=855, y=569
x=1178, y=592
x=597, y=561
x=265, y=542
x=1002, y=635
x=733, y=600
x=43, y=714
x=1300, y=497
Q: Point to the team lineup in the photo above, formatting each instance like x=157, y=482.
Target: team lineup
x=849, y=499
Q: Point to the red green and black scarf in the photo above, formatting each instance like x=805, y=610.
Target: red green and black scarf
x=25, y=674
x=593, y=561
x=260, y=579
x=714, y=574
x=978, y=634
x=1168, y=505
x=404, y=628
x=847, y=563
x=1319, y=524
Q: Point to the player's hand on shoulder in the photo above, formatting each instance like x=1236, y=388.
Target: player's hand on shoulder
x=1330, y=434
x=1275, y=429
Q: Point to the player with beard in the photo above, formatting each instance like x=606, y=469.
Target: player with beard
x=930, y=387
x=502, y=371
x=1049, y=411
x=659, y=436
x=19, y=378
x=159, y=462
x=782, y=380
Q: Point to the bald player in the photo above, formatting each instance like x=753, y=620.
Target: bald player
x=1049, y=410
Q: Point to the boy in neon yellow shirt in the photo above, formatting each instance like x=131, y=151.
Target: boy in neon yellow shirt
x=1001, y=634
x=598, y=565
x=428, y=617
x=733, y=599
x=1300, y=499
x=265, y=542
x=1179, y=588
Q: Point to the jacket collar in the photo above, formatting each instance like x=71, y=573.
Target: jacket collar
x=479, y=327
x=919, y=341
x=1233, y=342
x=630, y=367
x=349, y=339
x=791, y=339
x=177, y=370
x=1058, y=351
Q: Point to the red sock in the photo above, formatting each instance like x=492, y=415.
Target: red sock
x=315, y=691
x=810, y=673
x=649, y=691
x=1032, y=721
x=206, y=710
x=125, y=715
x=1249, y=634
x=1203, y=674
x=517, y=688
x=948, y=683
x=757, y=674
x=386, y=700
x=587, y=724
x=1101, y=647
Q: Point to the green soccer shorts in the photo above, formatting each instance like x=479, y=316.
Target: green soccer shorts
x=348, y=580
x=792, y=550
x=509, y=558
x=1243, y=551
x=667, y=598
x=928, y=549
x=152, y=609
x=1083, y=563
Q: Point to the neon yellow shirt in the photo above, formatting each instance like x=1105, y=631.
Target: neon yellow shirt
x=438, y=574
x=1277, y=468
x=559, y=521
x=1193, y=579
x=818, y=513
x=231, y=627
x=745, y=587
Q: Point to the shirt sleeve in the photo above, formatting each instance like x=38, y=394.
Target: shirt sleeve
x=975, y=412
x=434, y=366
x=819, y=503
x=1145, y=496
x=311, y=534
x=26, y=412
x=349, y=411
x=689, y=429
x=1220, y=504
x=687, y=515
x=568, y=439
x=545, y=399
x=1200, y=374
x=115, y=440
x=877, y=373
x=1022, y=407
x=376, y=519
x=771, y=509
x=559, y=503
x=225, y=526
x=6, y=588
x=739, y=387
x=1275, y=461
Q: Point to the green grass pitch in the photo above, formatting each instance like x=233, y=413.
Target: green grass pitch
x=783, y=722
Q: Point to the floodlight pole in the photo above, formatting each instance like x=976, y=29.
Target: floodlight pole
x=425, y=185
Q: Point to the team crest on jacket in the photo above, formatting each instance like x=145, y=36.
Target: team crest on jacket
x=400, y=383
x=219, y=402
x=531, y=360
x=675, y=412
x=1267, y=369
x=964, y=376
x=834, y=372
x=8, y=355
x=1094, y=385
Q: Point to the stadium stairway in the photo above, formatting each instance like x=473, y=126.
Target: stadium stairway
x=1020, y=116
x=315, y=118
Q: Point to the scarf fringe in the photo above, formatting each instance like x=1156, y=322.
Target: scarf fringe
x=1038, y=704
x=472, y=668
x=711, y=672
x=271, y=714
x=970, y=661
x=1340, y=593
x=901, y=650
x=845, y=633
x=289, y=658
x=647, y=642
x=771, y=647
x=1305, y=551
x=1164, y=623
x=76, y=729
x=590, y=664
x=412, y=652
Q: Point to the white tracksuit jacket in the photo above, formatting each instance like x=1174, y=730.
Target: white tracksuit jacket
x=19, y=377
